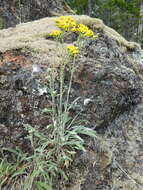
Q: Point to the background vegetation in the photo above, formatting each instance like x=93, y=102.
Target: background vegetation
x=125, y=16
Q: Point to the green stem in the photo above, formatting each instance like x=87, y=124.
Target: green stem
x=70, y=83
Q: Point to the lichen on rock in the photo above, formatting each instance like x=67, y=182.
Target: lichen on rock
x=107, y=80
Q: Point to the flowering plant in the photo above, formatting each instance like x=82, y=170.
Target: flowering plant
x=83, y=29
x=66, y=23
x=73, y=50
x=56, y=33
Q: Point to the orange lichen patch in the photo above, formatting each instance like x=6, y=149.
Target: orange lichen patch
x=14, y=57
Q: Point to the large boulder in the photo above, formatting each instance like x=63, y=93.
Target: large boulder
x=108, y=85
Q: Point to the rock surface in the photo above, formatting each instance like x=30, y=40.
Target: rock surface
x=108, y=82
x=16, y=11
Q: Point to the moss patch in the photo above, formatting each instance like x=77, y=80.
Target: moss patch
x=32, y=34
x=1, y=23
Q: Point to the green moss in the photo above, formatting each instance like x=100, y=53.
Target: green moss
x=1, y=23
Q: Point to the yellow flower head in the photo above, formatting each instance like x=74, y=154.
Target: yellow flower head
x=55, y=33
x=66, y=23
x=82, y=28
x=74, y=29
x=73, y=50
x=89, y=33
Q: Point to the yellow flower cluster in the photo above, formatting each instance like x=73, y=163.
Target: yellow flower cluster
x=55, y=33
x=66, y=23
x=73, y=50
x=83, y=29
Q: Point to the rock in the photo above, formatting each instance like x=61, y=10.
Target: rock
x=14, y=12
x=112, y=88
x=107, y=85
